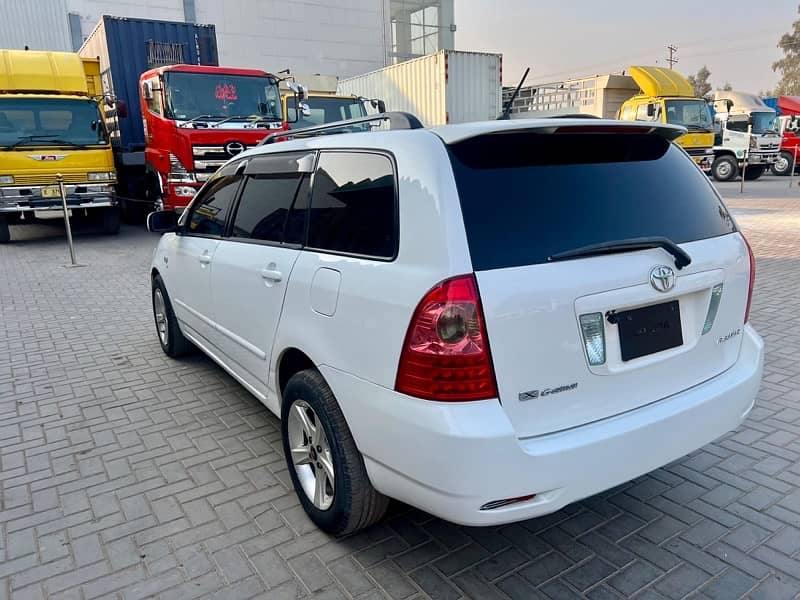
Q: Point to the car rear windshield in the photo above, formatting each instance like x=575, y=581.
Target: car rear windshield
x=527, y=196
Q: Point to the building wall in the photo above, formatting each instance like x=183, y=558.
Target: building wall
x=40, y=25
x=336, y=37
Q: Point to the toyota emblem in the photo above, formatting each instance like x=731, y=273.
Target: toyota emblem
x=234, y=148
x=662, y=278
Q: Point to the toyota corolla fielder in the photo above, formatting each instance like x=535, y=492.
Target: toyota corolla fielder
x=471, y=319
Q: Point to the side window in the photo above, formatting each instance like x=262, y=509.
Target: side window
x=641, y=113
x=154, y=103
x=264, y=207
x=296, y=223
x=210, y=212
x=627, y=113
x=353, y=205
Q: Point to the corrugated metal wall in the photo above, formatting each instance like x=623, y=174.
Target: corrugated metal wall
x=40, y=25
x=447, y=86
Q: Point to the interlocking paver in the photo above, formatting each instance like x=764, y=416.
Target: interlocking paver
x=125, y=472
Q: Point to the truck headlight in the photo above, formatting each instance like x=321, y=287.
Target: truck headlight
x=6, y=179
x=101, y=176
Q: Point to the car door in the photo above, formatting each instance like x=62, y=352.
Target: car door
x=192, y=257
x=253, y=265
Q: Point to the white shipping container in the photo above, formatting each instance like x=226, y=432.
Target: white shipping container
x=446, y=87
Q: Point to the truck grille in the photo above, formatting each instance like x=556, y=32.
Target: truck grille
x=207, y=159
x=50, y=179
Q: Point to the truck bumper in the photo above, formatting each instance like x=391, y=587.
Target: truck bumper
x=761, y=158
x=30, y=198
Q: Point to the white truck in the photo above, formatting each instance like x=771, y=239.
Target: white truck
x=744, y=127
x=448, y=86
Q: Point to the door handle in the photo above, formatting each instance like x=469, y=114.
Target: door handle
x=204, y=259
x=271, y=275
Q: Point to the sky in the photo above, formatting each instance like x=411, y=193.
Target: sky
x=736, y=39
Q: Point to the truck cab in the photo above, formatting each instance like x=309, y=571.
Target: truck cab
x=745, y=129
x=324, y=104
x=668, y=97
x=195, y=119
x=50, y=125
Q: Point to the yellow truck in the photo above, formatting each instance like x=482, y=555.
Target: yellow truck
x=324, y=104
x=668, y=97
x=51, y=123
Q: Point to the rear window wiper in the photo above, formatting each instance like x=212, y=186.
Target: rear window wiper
x=682, y=259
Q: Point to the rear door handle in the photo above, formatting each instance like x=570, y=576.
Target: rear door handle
x=271, y=275
x=204, y=259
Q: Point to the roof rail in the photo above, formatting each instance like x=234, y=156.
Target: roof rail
x=573, y=116
x=396, y=120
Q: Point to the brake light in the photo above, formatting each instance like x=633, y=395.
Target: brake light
x=446, y=351
x=752, y=280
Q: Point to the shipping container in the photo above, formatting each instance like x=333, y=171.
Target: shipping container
x=446, y=87
x=129, y=47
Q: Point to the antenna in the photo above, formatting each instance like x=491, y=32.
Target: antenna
x=505, y=115
x=672, y=49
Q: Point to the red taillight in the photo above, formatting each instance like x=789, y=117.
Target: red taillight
x=752, y=280
x=446, y=351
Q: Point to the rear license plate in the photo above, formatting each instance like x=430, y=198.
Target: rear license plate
x=51, y=191
x=648, y=330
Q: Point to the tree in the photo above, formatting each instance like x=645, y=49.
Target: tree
x=727, y=86
x=700, y=82
x=789, y=65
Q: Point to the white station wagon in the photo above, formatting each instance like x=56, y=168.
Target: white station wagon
x=487, y=321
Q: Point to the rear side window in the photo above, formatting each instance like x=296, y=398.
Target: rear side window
x=527, y=196
x=353, y=205
x=210, y=212
x=264, y=207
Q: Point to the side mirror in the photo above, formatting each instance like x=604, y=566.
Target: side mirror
x=729, y=104
x=162, y=221
x=380, y=105
x=305, y=109
x=298, y=90
x=122, y=109
x=651, y=110
x=147, y=90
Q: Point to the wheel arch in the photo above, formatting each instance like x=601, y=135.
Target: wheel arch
x=290, y=361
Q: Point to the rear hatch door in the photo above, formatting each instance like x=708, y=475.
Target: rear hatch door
x=527, y=198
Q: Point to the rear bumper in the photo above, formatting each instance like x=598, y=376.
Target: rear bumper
x=451, y=459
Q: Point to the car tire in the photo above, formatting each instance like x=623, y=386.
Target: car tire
x=111, y=218
x=725, y=168
x=5, y=232
x=783, y=165
x=350, y=503
x=753, y=172
x=172, y=340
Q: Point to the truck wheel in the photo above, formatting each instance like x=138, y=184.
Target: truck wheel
x=754, y=172
x=725, y=168
x=783, y=164
x=172, y=341
x=326, y=468
x=5, y=233
x=111, y=220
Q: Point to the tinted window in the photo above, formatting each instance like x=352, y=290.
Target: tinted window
x=296, y=223
x=211, y=211
x=353, y=206
x=525, y=198
x=264, y=207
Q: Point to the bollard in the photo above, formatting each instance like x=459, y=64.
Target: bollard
x=794, y=165
x=744, y=170
x=63, y=192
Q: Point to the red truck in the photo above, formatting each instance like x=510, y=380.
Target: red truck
x=175, y=115
x=788, y=109
x=198, y=117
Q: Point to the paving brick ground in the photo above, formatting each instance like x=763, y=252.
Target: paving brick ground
x=124, y=474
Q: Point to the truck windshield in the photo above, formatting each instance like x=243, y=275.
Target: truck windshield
x=326, y=109
x=50, y=122
x=691, y=113
x=764, y=122
x=220, y=96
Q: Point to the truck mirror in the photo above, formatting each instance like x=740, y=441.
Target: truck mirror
x=147, y=90
x=162, y=221
x=381, y=105
x=729, y=104
x=651, y=110
x=122, y=109
x=298, y=90
x=305, y=110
